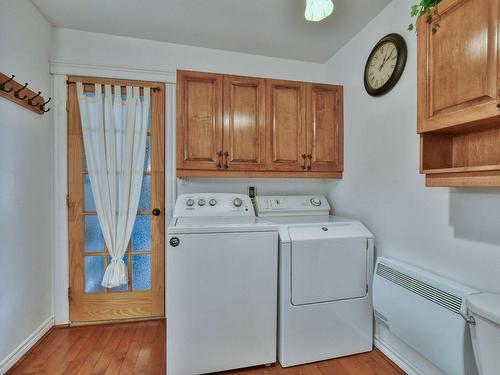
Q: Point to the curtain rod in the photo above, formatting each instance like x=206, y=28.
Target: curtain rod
x=93, y=83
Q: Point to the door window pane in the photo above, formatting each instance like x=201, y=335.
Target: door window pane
x=147, y=160
x=88, y=204
x=94, y=272
x=94, y=241
x=141, y=272
x=144, y=202
x=141, y=233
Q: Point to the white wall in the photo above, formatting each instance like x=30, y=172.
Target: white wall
x=112, y=50
x=25, y=180
x=109, y=50
x=452, y=232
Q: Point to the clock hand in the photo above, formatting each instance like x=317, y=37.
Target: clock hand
x=385, y=59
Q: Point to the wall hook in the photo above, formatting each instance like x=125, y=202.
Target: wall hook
x=2, y=84
x=30, y=101
x=42, y=106
x=16, y=93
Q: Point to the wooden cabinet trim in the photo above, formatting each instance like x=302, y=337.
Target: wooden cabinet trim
x=187, y=173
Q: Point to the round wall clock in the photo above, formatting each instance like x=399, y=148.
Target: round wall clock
x=385, y=64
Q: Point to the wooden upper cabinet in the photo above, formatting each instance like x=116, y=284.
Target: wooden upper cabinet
x=199, y=120
x=325, y=119
x=286, y=122
x=244, y=143
x=234, y=126
x=458, y=65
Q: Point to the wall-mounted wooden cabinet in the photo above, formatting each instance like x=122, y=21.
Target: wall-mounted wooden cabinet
x=199, y=121
x=458, y=94
x=233, y=126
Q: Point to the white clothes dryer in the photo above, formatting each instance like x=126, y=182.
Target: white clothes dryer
x=325, y=275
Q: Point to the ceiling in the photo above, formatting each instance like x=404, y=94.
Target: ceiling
x=263, y=27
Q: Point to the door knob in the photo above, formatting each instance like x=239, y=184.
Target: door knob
x=156, y=211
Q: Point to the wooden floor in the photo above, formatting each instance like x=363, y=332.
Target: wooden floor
x=139, y=348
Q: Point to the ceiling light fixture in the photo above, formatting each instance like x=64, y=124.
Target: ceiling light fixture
x=317, y=10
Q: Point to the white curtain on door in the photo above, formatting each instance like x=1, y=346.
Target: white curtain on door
x=114, y=136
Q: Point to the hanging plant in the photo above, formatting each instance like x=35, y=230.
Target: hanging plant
x=423, y=8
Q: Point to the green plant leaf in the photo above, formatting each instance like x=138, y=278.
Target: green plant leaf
x=424, y=7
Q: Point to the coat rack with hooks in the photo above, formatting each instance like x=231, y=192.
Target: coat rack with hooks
x=22, y=95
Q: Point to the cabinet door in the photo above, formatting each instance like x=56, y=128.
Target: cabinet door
x=457, y=65
x=244, y=143
x=286, y=122
x=325, y=123
x=199, y=120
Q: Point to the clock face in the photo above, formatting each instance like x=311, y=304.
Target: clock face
x=382, y=65
x=385, y=64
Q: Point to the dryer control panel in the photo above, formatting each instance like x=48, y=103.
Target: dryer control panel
x=213, y=204
x=288, y=205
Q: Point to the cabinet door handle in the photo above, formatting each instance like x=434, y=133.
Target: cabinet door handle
x=219, y=164
x=304, y=156
x=226, y=154
x=309, y=156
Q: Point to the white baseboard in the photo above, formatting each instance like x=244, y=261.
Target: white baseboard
x=17, y=353
x=396, y=357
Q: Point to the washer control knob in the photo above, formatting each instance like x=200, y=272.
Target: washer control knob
x=316, y=202
x=190, y=202
x=237, y=202
x=201, y=202
x=212, y=202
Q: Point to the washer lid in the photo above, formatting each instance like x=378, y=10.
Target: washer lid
x=329, y=263
x=486, y=305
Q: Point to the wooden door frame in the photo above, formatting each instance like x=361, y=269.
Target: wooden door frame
x=59, y=75
x=156, y=308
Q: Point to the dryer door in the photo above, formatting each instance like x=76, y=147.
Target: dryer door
x=329, y=263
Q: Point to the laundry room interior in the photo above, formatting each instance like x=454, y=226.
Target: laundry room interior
x=250, y=187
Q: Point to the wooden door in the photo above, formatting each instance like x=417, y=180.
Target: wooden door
x=458, y=65
x=244, y=143
x=286, y=125
x=143, y=297
x=325, y=123
x=199, y=120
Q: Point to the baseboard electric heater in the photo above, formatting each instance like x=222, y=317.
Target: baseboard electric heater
x=427, y=312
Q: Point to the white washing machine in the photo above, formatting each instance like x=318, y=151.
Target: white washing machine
x=221, y=285
x=325, y=273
